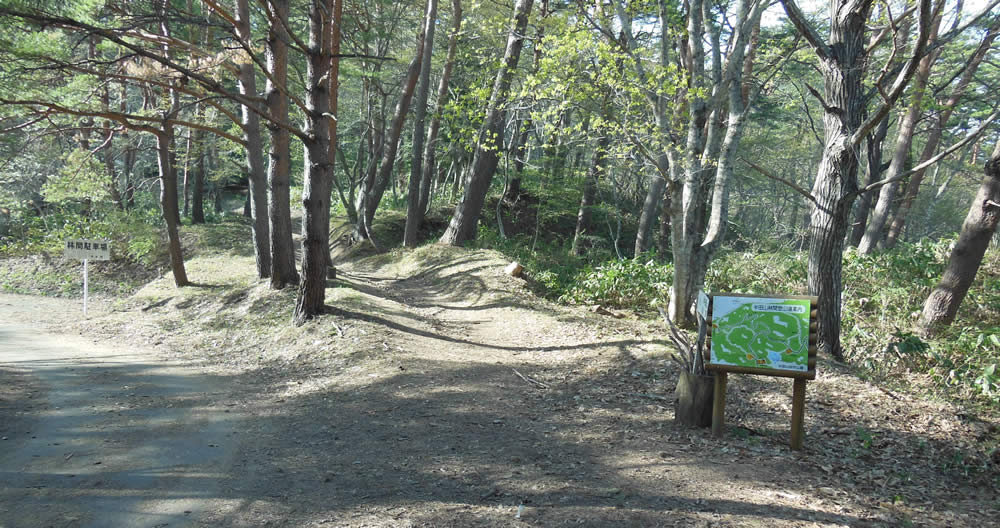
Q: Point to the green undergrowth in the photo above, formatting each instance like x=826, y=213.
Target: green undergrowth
x=883, y=297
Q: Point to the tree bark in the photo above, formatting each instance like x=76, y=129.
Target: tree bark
x=875, y=231
x=980, y=224
x=198, y=185
x=842, y=61
x=373, y=188
x=317, y=181
x=283, y=272
x=254, y=151
x=414, y=211
x=934, y=138
x=594, y=174
x=168, y=202
x=430, y=161
x=874, y=157
x=464, y=222
x=842, y=64
x=648, y=216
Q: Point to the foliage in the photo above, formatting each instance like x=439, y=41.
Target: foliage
x=626, y=283
x=134, y=236
x=883, y=297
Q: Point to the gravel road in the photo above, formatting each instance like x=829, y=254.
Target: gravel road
x=97, y=435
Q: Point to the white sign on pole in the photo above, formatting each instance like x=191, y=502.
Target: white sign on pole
x=87, y=249
x=702, y=306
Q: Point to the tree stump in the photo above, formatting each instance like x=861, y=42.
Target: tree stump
x=694, y=398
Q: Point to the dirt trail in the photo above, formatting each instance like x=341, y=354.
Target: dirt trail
x=438, y=392
x=103, y=435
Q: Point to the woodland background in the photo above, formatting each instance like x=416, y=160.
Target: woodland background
x=627, y=153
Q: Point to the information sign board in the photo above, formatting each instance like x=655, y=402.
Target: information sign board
x=87, y=249
x=760, y=333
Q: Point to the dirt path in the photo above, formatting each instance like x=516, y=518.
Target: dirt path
x=439, y=393
x=103, y=435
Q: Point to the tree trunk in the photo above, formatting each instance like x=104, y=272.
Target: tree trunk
x=874, y=156
x=842, y=64
x=414, y=211
x=875, y=232
x=464, y=222
x=442, y=98
x=980, y=224
x=648, y=216
x=373, y=188
x=198, y=185
x=930, y=147
x=594, y=174
x=317, y=181
x=168, y=202
x=254, y=151
x=186, y=180
x=283, y=272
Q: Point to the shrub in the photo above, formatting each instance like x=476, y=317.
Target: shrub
x=626, y=283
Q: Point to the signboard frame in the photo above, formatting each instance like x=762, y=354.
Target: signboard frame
x=85, y=249
x=808, y=374
x=799, y=378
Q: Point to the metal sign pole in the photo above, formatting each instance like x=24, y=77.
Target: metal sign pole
x=85, y=287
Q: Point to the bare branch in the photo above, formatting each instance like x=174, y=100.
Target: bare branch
x=795, y=187
x=964, y=141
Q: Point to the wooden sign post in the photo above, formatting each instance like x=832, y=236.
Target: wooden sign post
x=772, y=335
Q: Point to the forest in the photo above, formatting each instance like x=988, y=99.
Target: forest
x=609, y=145
x=325, y=172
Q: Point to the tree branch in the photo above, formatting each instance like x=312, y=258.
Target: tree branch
x=795, y=187
x=798, y=19
x=965, y=141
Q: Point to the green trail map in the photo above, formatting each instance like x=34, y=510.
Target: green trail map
x=760, y=332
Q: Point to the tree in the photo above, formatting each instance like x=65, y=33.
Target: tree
x=283, y=272
x=980, y=224
x=414, y=209
x=430, y=158
x=256, y=173
x=947, y=107
x=464, y=222
x=698, y=122
x=324, y=39
x=842, y=59
x=374, y=185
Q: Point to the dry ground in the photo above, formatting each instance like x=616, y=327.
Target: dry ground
x=439, y=392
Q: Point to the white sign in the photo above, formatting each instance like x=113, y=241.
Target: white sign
x=702, y=306
x=87, y=249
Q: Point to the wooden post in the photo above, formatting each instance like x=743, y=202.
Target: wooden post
x=719, y=405
x=798, y=412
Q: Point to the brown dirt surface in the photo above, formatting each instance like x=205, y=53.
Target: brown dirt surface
x=439, y=392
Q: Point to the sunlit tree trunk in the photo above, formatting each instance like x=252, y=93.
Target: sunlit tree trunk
x=254, y=151
x=980, y=225
x=373, y=188
x=430, y=161
x=168, y=202
x=414, y=211
x=283, y=272
x=317, y=164
x=934, y=137
x=464, y=222
x=874, y=156
x=842, y=60
x=875, y=231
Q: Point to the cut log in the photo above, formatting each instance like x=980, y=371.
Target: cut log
x=514, y=269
